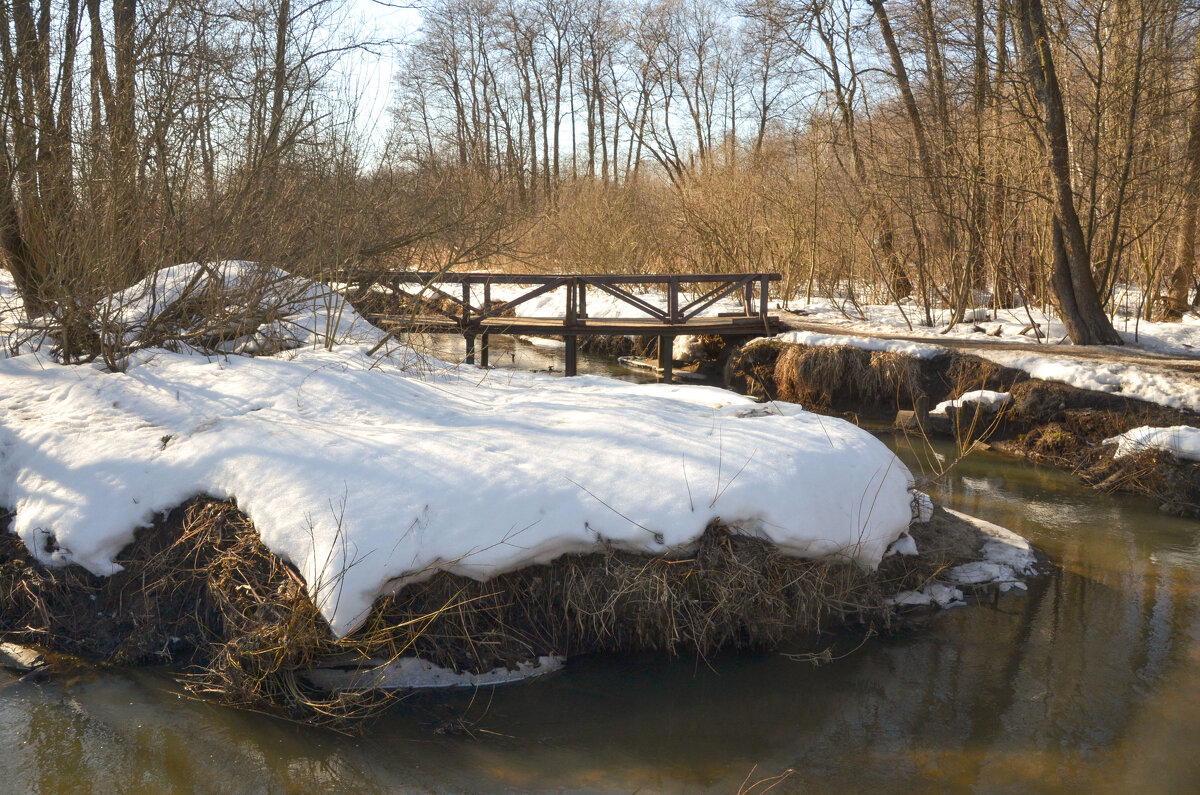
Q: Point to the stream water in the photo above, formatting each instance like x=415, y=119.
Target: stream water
x=1090, y=681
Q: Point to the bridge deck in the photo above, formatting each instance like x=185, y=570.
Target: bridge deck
x=591, y=326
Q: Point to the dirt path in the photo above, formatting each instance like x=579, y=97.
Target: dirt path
x=1135, y=357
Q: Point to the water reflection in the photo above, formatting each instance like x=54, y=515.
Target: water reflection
x=1090, y=681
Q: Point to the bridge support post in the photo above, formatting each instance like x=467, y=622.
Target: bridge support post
x=485, y=348
x=470, y=338
x=666, y=344
x=572, y=353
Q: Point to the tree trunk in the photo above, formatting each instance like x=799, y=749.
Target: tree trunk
x=123, y=134
x=1083, y=314
x=1185, y=244
x=924, y=155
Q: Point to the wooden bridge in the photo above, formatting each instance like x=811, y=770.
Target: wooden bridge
x=461, y=303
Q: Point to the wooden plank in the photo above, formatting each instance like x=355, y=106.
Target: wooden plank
x=666, y=344
x=582, y=327
x=572, y=354
x=479, y=277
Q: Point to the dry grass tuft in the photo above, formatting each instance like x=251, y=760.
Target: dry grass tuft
x=846, y=377
x=734, y=591
x=751, y=369
x=199, y=590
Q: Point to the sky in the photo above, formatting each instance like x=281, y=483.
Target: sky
x=370, y=73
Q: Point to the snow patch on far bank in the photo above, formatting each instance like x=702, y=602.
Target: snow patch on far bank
x=917, y=349
x=1183, y=441
x=1161, y=386
x=978, y=397
x=413, y=673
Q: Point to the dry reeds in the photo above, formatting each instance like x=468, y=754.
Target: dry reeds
x=842, y=376
x=200, y=590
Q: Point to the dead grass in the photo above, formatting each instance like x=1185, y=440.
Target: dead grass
x=751, y=369
x=201, y=592
x=841, y=377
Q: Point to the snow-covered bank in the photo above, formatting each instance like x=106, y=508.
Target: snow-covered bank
x=917, y=349
x=366, y=476
x=986, y=398
x=1000, y=559
x=362, y=475
x=1154, y=385
x=1180, y=338
x=1182, y=441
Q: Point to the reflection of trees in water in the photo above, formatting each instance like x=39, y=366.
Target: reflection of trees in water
x=1091, y=681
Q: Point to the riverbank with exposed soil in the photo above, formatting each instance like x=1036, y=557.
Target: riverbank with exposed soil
x=1046, y=422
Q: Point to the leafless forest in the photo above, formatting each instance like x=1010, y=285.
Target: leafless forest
x=1005, y=151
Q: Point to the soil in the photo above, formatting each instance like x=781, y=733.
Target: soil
x=1047, y=422
x=199, y=592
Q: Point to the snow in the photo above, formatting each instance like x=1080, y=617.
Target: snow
x=1159, y=385
x=1162, y=386
x=1183, y=441
x=294, y=312
x=413, y=673
x=367, y=476
x=936, y=593
x=1173, y=338
x=978, y=397
x=917, y=349
x=904, y=545
x=1004, y=559
x=922, y=507
x=687, y=348
x=599, y=304
x=258, y=309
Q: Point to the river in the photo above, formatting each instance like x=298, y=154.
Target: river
x=1090, y=681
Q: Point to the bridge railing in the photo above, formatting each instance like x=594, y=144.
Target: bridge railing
x=473, y=314
x=706, y=290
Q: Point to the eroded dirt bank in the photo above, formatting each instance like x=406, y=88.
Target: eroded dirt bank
x=199, y=592
x=1046, y=422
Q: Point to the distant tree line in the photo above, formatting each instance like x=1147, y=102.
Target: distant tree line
x=1035, y=152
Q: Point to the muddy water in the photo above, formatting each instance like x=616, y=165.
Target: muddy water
x=510, y=353
x=1091, y=681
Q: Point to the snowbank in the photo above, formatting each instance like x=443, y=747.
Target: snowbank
x=917, y=349
x=978, y=397
x=246, y=307
x=1160, y=385
x=366, y=477
x=1175, y=338
x=227, y=307
x=1181, y=440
